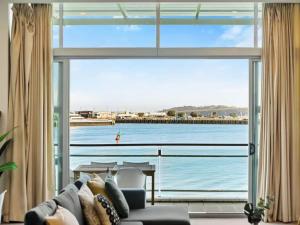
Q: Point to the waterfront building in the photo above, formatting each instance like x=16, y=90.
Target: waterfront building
x=86, y=114
x=126, y=115
x=106, y=115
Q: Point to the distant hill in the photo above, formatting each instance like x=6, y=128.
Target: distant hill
x=221, y=110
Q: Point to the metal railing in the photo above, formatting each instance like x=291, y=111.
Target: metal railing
x=159, y=154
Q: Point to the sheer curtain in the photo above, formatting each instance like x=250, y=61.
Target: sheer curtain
x=279, y=167
x=30, y=109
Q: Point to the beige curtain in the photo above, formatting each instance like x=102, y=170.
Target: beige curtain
x=279, y=167
x=30, y=110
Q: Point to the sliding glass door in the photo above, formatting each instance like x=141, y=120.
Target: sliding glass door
x=57, y=122
x=60, y=80
x=83, y=76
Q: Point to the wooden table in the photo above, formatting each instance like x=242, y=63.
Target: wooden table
x=147, y=170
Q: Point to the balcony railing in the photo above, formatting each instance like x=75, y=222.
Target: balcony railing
x=162, y=151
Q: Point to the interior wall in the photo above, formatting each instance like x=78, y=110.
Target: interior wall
x=4, y=66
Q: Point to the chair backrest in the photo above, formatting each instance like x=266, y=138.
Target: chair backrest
x=130, y=177
x=103, y=175
x=136, y=164
x=104, y=164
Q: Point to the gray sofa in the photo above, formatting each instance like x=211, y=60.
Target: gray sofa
x=140, y=214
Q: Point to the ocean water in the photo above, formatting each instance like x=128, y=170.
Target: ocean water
x=184, y=173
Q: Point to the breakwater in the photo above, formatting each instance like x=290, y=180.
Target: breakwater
x=170, y=121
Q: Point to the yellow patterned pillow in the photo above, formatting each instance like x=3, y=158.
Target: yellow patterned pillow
x=105, y=210
x=87, y=203
x=97, y=186
x=62, y=216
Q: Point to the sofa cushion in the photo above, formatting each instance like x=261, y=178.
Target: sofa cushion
x=86, y=198
x=68, y=187
x=117, y=197
x=97, y=186
x=38, y=214
x=69, y=199
x=82, y=180
x=160, y=215
x=135, y=197
x=106, y=211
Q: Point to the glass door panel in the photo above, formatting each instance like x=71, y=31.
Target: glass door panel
x=254, y=125
x=57, y=122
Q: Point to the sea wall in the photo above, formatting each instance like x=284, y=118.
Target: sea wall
x=91, y=123
x=198, y=121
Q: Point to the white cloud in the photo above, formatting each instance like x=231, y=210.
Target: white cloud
x=242, y=36
x=232, y=33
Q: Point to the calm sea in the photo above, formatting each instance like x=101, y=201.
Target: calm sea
x=183, y=173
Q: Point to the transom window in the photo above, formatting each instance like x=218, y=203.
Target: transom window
x=148, y=25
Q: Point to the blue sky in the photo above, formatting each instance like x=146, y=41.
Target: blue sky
x=153, y=84
x=145, y=36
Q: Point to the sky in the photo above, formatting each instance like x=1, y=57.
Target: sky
x=145, y=36
x=150, y=85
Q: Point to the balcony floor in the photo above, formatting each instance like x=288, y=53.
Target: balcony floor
x=229, y=221
x=209, y=207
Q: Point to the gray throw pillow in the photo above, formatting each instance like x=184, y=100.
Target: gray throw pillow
x=117, y=197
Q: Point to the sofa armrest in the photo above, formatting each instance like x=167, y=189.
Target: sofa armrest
x=136, y=198
x=37, y=215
